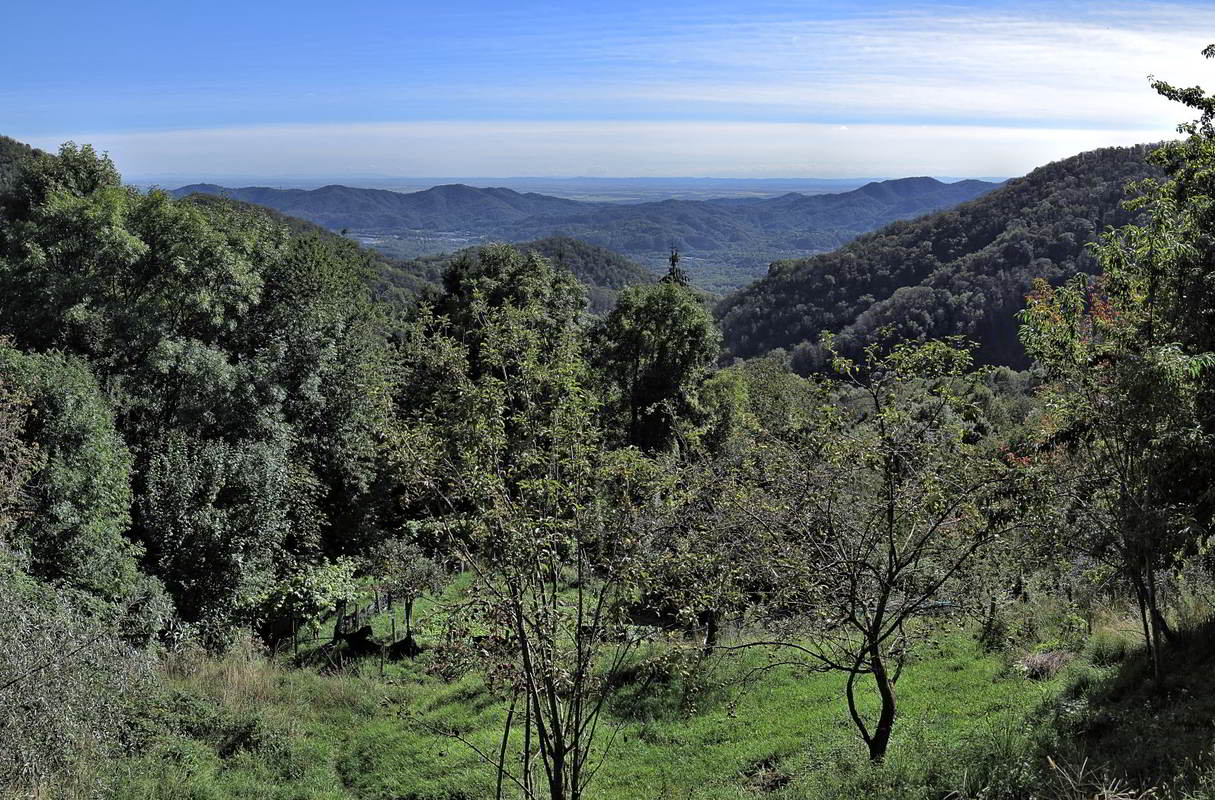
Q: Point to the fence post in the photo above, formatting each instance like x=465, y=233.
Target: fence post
x=341, y=619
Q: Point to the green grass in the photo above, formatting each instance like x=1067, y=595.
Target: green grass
x=970, y=725
x=245, y=727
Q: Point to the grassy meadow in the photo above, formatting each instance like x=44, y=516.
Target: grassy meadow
x=1053, y=712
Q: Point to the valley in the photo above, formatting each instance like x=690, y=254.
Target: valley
x=728, y=242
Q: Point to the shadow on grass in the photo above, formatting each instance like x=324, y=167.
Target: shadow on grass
x=335, y=656
x=677, y=685
x=1128, y=725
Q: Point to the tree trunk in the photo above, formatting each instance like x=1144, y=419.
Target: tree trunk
x=1145, y=618
x=710, y=633
x=880, y=741
x=410, y=647
x=1158, y=621
x=556, y=782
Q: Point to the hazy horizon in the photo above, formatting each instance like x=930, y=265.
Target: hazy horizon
x=483, y=181
x=610, y=189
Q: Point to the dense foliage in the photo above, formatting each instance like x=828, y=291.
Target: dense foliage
x=393, y=280
x=654, y=353
x=244, y=366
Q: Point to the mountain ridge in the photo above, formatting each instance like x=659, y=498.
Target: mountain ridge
x=728, y=241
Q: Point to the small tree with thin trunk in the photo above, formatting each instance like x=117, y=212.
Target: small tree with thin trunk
x=502, y=458
x=1130, y=379
x=409, y=574
x=873, y=515
x=1123, y=417
x=559, y=564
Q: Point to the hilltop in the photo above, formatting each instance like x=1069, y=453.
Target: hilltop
x=12, y=154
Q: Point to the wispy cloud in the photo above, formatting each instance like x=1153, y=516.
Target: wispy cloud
x=1079, y=66
x=692, y=88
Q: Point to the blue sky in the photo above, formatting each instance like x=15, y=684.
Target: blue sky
x=612, y=88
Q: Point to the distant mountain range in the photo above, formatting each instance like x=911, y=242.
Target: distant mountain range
x=454, y=207
x=726, y=242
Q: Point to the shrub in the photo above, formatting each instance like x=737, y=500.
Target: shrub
x=1082, y=679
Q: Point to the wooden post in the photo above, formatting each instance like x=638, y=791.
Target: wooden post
x=295, y=636
x=393, y=617
x=341, y=618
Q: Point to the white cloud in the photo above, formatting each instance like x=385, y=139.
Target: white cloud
x=490, y=149
x=1086, y=68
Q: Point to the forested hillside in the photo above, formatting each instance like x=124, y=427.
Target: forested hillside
x=401, y=281
x=727, y=242
x=395, y=280
x=603, y=272
x=965, y=271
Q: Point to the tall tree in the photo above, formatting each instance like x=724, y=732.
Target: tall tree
x=1131, y=386
x=654, y=352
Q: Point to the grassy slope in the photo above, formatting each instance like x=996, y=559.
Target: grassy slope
x=268, y=731
x=969, y=726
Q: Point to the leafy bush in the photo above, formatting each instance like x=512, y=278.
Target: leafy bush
x=81, y=495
